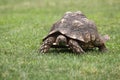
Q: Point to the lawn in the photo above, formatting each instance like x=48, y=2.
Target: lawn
x=23, y=25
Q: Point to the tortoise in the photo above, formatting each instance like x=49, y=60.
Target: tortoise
x=75, y=32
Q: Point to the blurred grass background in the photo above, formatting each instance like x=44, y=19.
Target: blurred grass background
x=24, y=23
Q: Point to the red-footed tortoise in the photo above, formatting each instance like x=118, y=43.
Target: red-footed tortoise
x=76, y=32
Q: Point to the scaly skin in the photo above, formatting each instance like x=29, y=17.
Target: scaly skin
x=75, y=46
x=47, y=44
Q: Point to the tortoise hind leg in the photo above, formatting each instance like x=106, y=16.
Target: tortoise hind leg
x=101, y=45
x=102, y=48
x=47, y=44
x=75, y=46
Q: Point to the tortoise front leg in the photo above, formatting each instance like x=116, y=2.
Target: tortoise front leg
x=47, y=44
x=75, y=46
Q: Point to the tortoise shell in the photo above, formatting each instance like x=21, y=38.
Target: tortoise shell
x=75, y=25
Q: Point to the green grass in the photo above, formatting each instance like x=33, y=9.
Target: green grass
x=24, y=23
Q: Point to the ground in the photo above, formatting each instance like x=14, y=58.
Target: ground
x=23, y=25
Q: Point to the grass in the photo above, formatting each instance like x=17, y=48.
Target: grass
x=24, y=23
